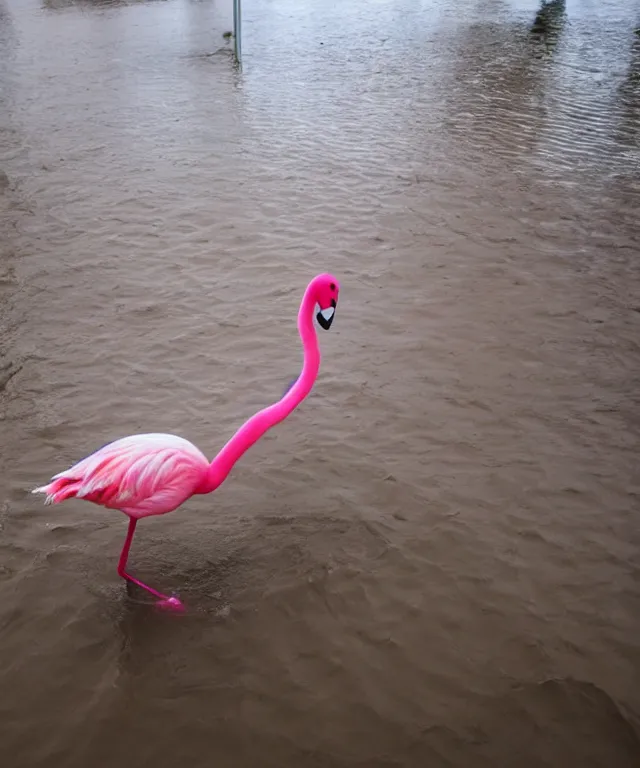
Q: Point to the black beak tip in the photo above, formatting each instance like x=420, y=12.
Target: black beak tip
x=322, y=320
x=324, y=324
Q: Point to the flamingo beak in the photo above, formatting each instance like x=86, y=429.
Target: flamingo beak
x=325, y=316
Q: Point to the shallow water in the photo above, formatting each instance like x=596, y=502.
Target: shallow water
x=434, y=561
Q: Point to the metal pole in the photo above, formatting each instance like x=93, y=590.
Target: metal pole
x=237, y=29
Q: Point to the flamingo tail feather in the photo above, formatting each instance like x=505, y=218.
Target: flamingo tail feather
x=59, y=490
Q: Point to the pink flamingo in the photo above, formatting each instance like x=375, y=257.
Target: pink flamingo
x=152, y=474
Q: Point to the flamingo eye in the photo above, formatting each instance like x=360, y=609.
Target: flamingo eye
x=332, y=286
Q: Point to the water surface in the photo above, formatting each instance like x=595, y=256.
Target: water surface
x=434, y=561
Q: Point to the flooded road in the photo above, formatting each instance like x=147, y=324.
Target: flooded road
x=435, y=560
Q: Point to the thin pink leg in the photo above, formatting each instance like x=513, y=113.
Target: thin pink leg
x=164, y=600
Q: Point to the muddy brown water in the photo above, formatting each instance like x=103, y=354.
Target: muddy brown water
x=434, y=561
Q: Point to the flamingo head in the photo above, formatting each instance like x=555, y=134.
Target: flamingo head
x=326, y=289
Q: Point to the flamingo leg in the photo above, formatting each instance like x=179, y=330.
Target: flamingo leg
x=164, y=600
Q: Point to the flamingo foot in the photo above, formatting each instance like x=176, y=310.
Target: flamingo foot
x=164, y=601
x=171, y=604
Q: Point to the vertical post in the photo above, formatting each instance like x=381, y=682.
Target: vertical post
x=237, y=31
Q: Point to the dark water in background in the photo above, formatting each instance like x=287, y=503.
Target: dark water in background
x=434, y=562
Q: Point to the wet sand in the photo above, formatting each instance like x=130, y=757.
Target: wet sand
x=434, y=561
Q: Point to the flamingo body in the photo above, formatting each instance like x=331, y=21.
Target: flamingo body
x=140, y=475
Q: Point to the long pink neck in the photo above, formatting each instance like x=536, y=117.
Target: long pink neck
x=252, y=430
